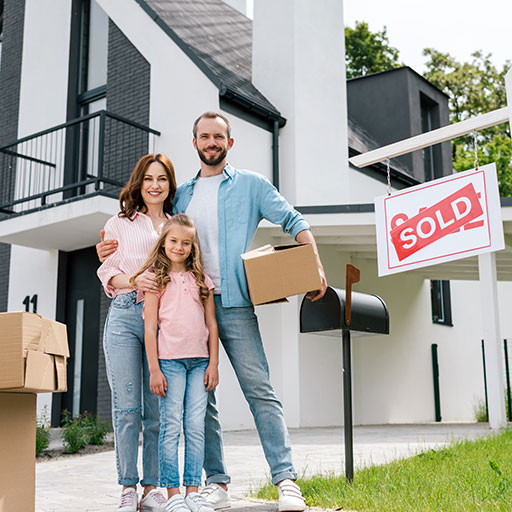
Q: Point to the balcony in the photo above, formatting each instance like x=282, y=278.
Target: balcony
x=60, y=185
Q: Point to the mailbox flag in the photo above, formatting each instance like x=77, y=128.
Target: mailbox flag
x=442, y=220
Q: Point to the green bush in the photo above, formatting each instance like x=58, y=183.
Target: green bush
x=42, y=438
x=481, y=412
x=97, y=429
x=75, y=432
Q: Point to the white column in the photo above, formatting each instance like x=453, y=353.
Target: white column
x=491, y=334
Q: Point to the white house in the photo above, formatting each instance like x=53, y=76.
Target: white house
x=88, y=86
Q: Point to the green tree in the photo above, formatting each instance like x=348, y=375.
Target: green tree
x=473, y=88
x=368, y=52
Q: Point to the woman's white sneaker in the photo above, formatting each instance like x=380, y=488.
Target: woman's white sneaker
x=216, y=496
x=154, y=501
x=128, y=501
x=290, y=497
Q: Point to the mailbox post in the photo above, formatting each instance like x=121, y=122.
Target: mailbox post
x=342, y=313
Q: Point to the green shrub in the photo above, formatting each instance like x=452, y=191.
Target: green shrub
x=75, y=432
x=42, y=437
x=97, y=429
x=481, y=413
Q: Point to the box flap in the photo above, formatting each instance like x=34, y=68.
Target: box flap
x=260, y=251
x=61, y=374
x=40, y=372
x=54, y=338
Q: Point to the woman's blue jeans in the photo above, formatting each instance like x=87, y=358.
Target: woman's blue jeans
x=133, y=404
x=186, y=398
x=240, y=335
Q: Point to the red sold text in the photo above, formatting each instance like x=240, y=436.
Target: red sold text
x=448, y=215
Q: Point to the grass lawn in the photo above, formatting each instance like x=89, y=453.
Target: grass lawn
x=465, y=476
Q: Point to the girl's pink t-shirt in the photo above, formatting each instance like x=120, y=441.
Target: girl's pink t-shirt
x=182, y=327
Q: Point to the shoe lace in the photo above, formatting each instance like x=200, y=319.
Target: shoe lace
x=128, y=498
x=158, y=497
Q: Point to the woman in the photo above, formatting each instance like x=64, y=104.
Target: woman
x=146, y=204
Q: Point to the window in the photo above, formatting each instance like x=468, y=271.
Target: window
x=441, y=302
x=432, y=162
x=1, y=27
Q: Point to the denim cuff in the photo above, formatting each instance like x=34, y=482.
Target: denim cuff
x=218, y=479
x=283, y=476
x=149, y=481
x=167, y=485
x=128, y=481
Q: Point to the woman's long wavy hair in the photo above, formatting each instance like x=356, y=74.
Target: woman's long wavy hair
x=161, y=265
x=130, y=199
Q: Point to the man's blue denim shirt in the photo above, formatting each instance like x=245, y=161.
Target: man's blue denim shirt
x=245, y=198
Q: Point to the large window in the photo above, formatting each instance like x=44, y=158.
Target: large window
x=432, y=161
x=441, y=302
x=1, y=27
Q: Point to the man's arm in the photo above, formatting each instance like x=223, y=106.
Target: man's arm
x=306, y=237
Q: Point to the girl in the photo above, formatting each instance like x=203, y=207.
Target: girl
x=146, y=204
x=184, y=359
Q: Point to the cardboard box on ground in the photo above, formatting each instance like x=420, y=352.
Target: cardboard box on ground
x=33, y=353
x=276, y=272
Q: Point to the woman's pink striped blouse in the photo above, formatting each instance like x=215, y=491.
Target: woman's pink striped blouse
x=135, y=240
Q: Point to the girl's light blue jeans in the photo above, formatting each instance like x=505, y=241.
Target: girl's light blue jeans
x=240, y=335
x=186, y=398
x=133, y=403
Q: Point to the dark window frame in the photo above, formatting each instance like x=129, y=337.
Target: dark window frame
x=441, y=302
x=430, y=120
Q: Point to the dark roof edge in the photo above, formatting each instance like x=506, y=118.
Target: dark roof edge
x=396, y=173
x=397, y=69
x=228, y=94
x=189, y=52
x=247, y=104
x=337, y=208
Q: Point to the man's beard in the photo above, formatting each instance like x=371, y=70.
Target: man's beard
x=212, y=160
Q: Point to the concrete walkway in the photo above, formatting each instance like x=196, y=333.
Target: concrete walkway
x=88, y=483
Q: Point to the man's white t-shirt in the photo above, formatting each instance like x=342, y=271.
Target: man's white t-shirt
x=203, y=210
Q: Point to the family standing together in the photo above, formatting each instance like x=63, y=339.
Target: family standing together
x=172, y=265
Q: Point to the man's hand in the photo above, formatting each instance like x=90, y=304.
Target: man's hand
x=146, y=282
x=318, y=294
x=106, y=247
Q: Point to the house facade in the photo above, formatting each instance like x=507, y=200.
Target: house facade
x=88, y=86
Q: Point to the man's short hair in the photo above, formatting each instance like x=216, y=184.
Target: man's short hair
x=211, y=115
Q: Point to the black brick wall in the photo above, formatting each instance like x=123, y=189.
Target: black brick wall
x=128, y=91
x=10, y=79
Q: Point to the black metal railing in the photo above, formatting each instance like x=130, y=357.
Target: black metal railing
x=93, y=153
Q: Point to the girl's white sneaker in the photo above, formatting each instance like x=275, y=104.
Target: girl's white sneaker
x=176, y=504
x=196, y=503
x=290, y=497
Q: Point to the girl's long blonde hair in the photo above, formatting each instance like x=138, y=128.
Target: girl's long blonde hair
x=161, y=265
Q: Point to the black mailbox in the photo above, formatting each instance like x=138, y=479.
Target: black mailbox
x=341, y=313
x=326, y=316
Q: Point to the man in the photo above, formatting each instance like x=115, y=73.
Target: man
x=227, y=205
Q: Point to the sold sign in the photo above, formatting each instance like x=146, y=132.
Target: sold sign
x=431, y=224
x=439, y=221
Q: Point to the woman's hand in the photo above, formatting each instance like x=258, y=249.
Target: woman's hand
x=106, y=247
x=211, y=377
x=157, y=383
x=146, y=282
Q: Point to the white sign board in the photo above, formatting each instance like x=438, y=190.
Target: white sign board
x=442, y=220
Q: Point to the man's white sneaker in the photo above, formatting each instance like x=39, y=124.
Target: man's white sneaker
x=196, y=503
x=290, y=497
x=154, y=501
x=216, y=496
x=176, y=504
x=129, y=501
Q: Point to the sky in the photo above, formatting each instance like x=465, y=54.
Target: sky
x=457, y=27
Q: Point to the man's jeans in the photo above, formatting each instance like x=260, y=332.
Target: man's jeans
x=132, y=400
x=186, y=398
x=240, y=336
